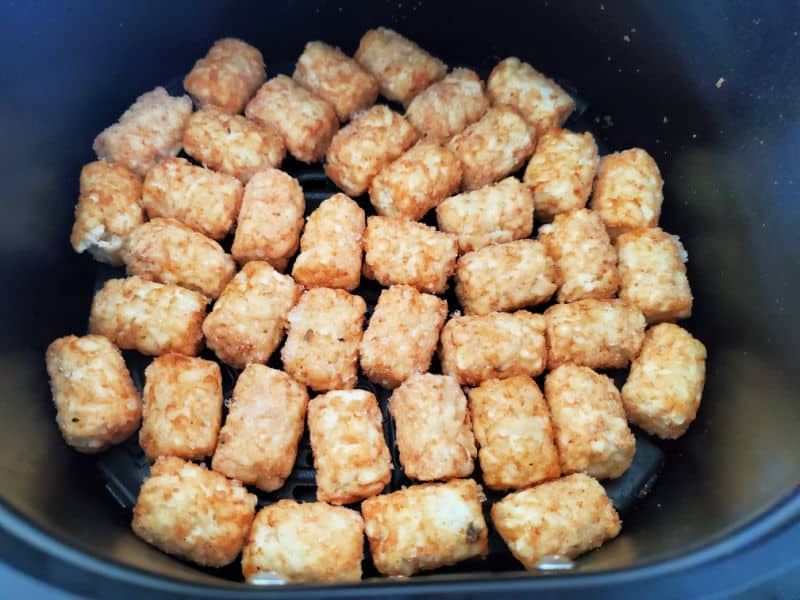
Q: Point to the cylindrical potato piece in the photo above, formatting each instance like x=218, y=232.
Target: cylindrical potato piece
x=350, y=452
x=426, y=526
x=96, y=402
x=150, y=317
x=204, y=200
x=258, y=443
x=566, y=517
x=665, y=384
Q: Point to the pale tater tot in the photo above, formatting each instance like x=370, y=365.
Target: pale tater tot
x=404, y=252
x=350, y=452
x=505, y=277
x=513, y=429
x=494, y=214
x=601, y=334
x=416, y=182
x=665, y=383
x=167, y=251
x=149, y=131
x=270, y=220
x=493, y=346
x=226, y=77
x=312, y=542
x=493, y=147
x=539, y=99
x=332, y=245
x=186, y=510
x=592, y=432
x=249, y=319
x=258, y=443
x=628, y=192
x=232, y=144
x=566, y=517
x=306, y=122
x=402, y=334
x=426, y=526
x=321, y=348
x=652, y=269
x=182, y=407
x=372, y=140
x=402, y=68
x=561, y=172
x=585, y=260
x=153, y=318
x=96, y=402
x=448, y=106
x=203, y=199
x=109, y=208
x=337, y=78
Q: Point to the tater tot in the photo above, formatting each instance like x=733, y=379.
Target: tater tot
x=182, y=407
x=150, y=317
x=150, y=130
x=653, y=274
x=416, y=182
x=505, y=277
x=321, y=348
x=601, y=334
x=493, y=214
x=561, y=172
x=258, y=443
x=350, y=452
x=665, y=383
x=270, y=220
x=539, y=99
x=448, y=106
x=186, y=510
x=628, y=192
x=306, y=122
x=513, y=429
x=226, y=77
x=585, y=260
x=332, y=245
x=204, y=200
x=402, y=68
x=96, y=402
x=337, y=78
x=312, y=542
x=402, y=334
x=366, y=145
x=493, y=147
x=566, y=517
x=167, y=251
x=426, y=526
x=249, y=319
x=493, y=346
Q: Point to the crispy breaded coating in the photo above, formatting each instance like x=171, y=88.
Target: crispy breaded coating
x=665, y=383
x=150, y=130
x=186, y=510
x=402, y=334
x=350, y=452
x=96, y=402
x=182, y=407
x=426, y=526
x=150, y=317
x=513, y=429
x=332, y=245
x=566, y=517
x=321, y=348
x=312, y=542
x=397, y=252
x=258, y=443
